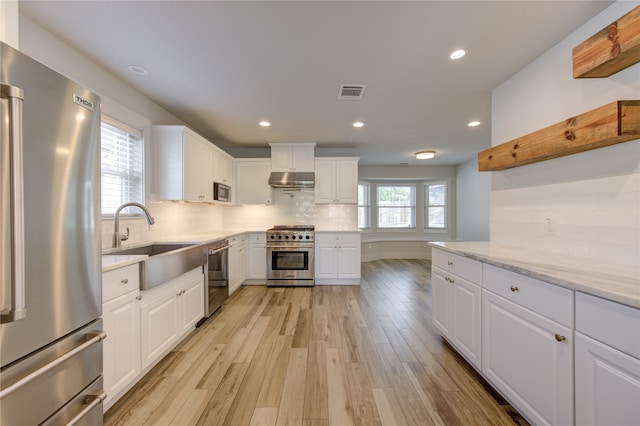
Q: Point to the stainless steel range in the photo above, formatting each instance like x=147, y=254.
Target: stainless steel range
x=290, y=255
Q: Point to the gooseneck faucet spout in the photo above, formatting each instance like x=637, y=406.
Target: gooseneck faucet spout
x=117, y=238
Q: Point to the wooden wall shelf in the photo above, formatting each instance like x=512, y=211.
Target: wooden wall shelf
x=607, y=125
x=612, y=49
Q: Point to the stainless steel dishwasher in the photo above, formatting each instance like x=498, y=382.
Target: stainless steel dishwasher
x=217, y=290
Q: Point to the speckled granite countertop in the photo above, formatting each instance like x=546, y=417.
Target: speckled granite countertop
x=617, y=283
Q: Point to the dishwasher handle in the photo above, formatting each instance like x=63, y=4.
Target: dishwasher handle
x=218, y=249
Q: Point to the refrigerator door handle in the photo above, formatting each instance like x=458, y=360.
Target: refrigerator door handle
x=95, y=336
x=91, y=400
x=16, y=293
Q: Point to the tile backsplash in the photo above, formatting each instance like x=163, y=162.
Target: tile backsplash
x=172, y=219
x=293, y=207
x=594, y=219
x=290, y=207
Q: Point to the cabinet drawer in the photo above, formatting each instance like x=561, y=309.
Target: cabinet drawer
x=342, y=237
x=551, y=301
x=461, y=266
x=120, y=281
x=609, y=322
x=257, y=239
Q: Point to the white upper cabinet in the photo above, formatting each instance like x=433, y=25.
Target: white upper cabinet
x=292, y=157
x=184, y=164
x=252, y=181
x=336, y=180
x=222, y=167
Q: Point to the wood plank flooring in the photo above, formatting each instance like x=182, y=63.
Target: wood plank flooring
x=320, y=356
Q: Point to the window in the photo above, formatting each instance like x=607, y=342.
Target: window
x=364, y=205
x=122, y=165
x=436, y=205
x=396, y=206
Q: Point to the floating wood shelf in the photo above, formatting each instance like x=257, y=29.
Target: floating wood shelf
x=612, y=49
x=607, y=125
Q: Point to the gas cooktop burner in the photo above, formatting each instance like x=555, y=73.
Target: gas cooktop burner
x=290, y=234
x=292, y=228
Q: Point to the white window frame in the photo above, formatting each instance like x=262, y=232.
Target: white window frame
x=445, y=206
x=412, y=207
x=139, y=174
x=364, y=205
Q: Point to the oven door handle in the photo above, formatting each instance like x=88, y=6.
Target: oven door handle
x=218, y=250
x=291, y=246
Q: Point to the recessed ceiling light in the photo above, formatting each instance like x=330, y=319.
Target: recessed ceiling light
x=474, y=123
x=425, y=155
x=264, y=123
x=358, y=124
x=137, y=70
x=457, y=54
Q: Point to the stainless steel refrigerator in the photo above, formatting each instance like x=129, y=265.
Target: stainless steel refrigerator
x=50, y=294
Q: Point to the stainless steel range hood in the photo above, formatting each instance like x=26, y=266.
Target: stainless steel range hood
x=292, y=179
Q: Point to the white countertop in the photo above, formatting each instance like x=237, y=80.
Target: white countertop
x=110, y=261
x=617, y=283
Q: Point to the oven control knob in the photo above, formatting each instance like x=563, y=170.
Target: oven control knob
x=299, y=237
x=286, y=238
x=307, y=237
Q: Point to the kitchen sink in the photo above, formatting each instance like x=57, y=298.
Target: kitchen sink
x=166, y=261
x=152, y=249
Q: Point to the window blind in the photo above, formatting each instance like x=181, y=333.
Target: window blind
x=122, y=176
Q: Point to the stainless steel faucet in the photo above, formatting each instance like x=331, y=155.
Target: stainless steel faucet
x=117, y=238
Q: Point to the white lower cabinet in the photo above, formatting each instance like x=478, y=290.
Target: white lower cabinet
x=237, y=263
x=529, y=358
x=337, y=258
x=121, y=322
x=607, y=363
x=457, y=304
x=257, y=258
x=457, y=312
x=159, y=325
x=121, y=349
x=168, y=312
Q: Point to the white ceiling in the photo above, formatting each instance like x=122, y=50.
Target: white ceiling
x=222, y=66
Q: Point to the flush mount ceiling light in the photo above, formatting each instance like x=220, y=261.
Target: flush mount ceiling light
x=358, y=124
x=137, y=70
x=264, y=123
x=474, y=123
x=425, y=155
x=457, y=54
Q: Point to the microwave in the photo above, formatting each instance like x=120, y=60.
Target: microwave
x=221, y=192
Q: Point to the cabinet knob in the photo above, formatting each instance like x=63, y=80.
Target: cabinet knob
x=560, y=338
x=514, y=289
x=124, y=280
x=138, y=297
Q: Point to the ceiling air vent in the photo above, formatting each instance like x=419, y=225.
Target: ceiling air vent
x=351, y=91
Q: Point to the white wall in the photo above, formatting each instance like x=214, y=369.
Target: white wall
x=592, y=198
x=9, y=23
x=472, y=207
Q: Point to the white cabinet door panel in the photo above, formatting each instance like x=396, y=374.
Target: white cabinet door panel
x=522, y=357
x=607, y=385
x=159, y=327
x=467, y=330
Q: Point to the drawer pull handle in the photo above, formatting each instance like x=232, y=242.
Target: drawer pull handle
x=514, y=289
x=138, y=297
x=125, y=281
x=450, y=263
x=560, y=338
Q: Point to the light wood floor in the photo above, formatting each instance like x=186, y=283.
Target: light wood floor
x=326, y=355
